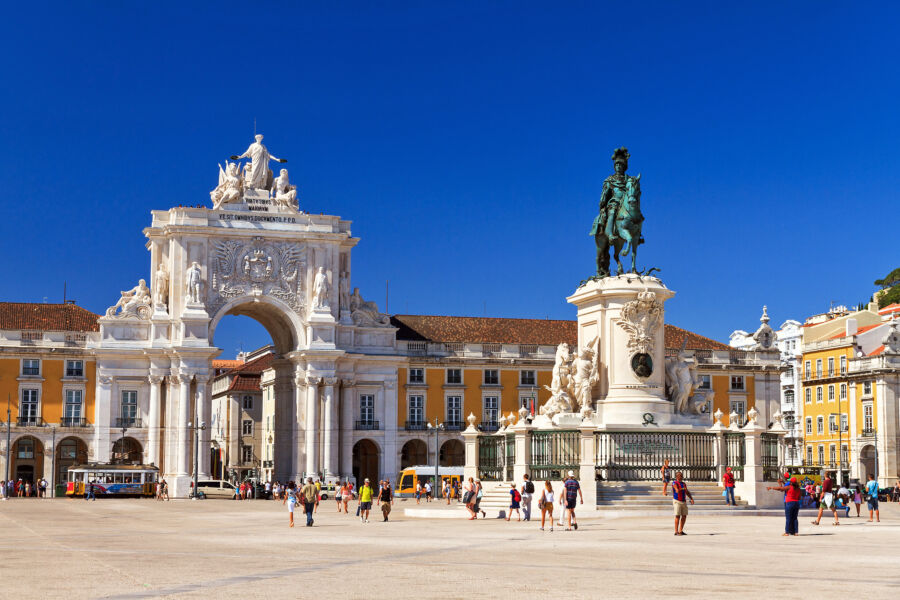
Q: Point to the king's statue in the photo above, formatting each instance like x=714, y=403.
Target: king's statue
x=618, y=224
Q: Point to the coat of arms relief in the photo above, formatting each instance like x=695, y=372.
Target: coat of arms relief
x=640, y=318
x=257, y=268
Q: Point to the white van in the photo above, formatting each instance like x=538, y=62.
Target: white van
x=216, y=488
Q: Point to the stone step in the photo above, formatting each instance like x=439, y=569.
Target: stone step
x=652, y=502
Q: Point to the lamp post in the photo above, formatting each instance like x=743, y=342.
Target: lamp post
x=122, y=441
x=8, y=447
x=438, y=426
x=197, y=429
x=840, y=448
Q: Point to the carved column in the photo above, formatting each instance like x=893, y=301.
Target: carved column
x=203, y=416
x=312, y=426
x=102, y=409
x=298, y=444
x=170, y=428
x=347, y=409
x=184, y=417
x=390, y=465
x=154, y=427
x=330, y=420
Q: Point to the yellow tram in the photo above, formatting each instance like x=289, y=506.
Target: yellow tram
x=112, y=480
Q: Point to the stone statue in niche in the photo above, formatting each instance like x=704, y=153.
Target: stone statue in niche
x=365, y=313
x=193, y=284
x=344, y=291
x=320, y=289
x=257, y=175
x=161, y=287
x=133, y=303
x=230, y=188
x=683, y=384
x=284, y=194
x=561, y=387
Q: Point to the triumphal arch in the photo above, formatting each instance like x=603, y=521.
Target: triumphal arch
x=253, y=251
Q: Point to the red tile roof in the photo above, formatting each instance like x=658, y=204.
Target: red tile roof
x=245, y=383
x=47, y=317
x=544, y=332
x=877, y=351
x=226, y=363
x=890, y=308
x=858, y=331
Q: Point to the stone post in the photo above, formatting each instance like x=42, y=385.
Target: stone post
x=522, y=431
x=204, y=409
x=587, y=472
x=154, y=426
x=753, y=487
x=331, y=439
x=720, y=454
x=184, y=417
x=470, y=439
x=312, y=426
x=347, y=397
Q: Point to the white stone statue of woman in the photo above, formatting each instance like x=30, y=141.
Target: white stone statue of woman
x=161, y=287
x=320, y=289
x=257, y=176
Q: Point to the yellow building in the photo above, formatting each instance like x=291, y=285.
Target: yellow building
x=846, y=369
x=47, y=375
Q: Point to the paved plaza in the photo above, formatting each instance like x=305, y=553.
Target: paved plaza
x=224, y=549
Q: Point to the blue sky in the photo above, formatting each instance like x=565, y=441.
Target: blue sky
x=468, y=143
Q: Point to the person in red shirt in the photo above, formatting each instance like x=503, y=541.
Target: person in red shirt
x=728, y=480
x=680, y=495
x=791, y=505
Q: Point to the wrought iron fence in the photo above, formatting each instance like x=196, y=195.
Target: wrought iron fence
x=735, y=454
x=510, y=456
x=491, y=457
x=770, y=457
x=553, y=453
x=639, y=456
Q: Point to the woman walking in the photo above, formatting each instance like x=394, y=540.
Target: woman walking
x=665, y=476
x=791, y=506
x=546, y=504
x=479, y=494
x=515, y=500
x=346, y=495
x=291, y=499
x=469, y=497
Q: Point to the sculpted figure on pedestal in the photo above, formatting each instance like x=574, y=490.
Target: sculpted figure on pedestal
x=283, y=193
x=320, y=289
x=585, y=375
x=230, y=186
x=134, y=303
x=683, y=384
x=193, y=283
x=344, y=292
x=257, y=175
x=618, y=224
x=161, y=286
x=561, y=386
x=365, y=313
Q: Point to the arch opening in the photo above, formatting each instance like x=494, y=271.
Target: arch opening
x=28, y=460
x=283, y=324
x=453, y=454
x=365, y=462
x=127, y=451
x=413, y=453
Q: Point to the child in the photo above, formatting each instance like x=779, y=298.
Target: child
x=515, y=499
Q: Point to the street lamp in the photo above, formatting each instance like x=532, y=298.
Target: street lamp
x=840, y=428
x=438, y=427
x=195, y=494
x=122, y=441
x=8, y=447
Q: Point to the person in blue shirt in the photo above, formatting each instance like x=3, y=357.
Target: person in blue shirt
x=872, y=501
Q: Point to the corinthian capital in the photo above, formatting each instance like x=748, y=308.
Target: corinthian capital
x=330, y=380
x=155, y=379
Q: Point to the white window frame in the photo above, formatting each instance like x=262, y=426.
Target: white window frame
x=808, y=395
x=843, y=393
x=821, y=454
x=415, y=408
x=246, y=454
x=244, y=400
x=832, y=424
x=75, y=363
x=819, y=395
x=740, y=407
x=67, y=403
x=705, y=382
x=366, y=405
x=843, y=365
x=485, y=376
x=867, y=388
x=123, y=404
x=486, y=411
x=809, y=455
x=788, y=396
x=831, y=392
x=420, y=372
x=738, y=379
x=244, y=428
x=868, y=416
x=451, y=418
x=459, y=372
x=36, y=403
x=533, y=373
x=845, y=423
x=809, y=429
x=818, y=367
x=820, y=425
x=830, y=366
x=808, y=369
x=31, y=360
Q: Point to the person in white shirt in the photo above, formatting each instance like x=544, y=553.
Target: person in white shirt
x=527, y=492
x=546, y=504
x=428, y=491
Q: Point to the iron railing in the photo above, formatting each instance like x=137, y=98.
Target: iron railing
x=366, y=425
x=416, y=425
x=489, y=427
x=510, y=456
x=128, y=422
x=639, y=456
x=735, y=454
x=553, y=453
x=491, y=457
x=30, y=422
x=72, y=422
x=769, y=458
x=454, y=425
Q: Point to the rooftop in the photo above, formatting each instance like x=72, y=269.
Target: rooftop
x=47, y=317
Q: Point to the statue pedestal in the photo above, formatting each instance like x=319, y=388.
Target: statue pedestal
x=194, y=325
x=627, y=314
x=321, y=328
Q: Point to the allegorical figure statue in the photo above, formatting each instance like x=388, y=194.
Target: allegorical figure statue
x=283, y=193
x=585, y=375
x=134, y=302
x=257, y=175
x=320, y=289
x=344, y=292
x=193, y=282
x=365, y=312
x=618, y=223
x=230, y=185
x=161, y=286
x=561, y=388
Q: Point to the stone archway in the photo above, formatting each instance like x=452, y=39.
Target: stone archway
x=28, y=460
x=70, y=451
x=284, y=325
x=413, y=453
x=867, y=464
x=127, y=451
x=453, y=454
x=366, y=462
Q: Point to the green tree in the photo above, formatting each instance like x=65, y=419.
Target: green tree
x=891, y=280
x=891, y=285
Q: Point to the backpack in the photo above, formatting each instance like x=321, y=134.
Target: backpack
x=516, y=495
x=529, y=487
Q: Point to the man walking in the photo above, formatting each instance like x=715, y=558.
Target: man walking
x=728, y=480
x=310, y=496
x=872, y=499
x=827, y=500
x=365, y=502
x=527, y=492
x=573, y=493
x=90, y=492
x=680, y=495
x=385, y=498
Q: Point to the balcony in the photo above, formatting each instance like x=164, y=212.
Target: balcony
x=454, y=425
x=128, y=422
x=868, y=432
x=489, y=427
x=366, y=426
x=73, y=422
x=30, y=422
x=415, y=425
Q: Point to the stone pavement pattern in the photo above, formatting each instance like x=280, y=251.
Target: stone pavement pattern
x=219, y=548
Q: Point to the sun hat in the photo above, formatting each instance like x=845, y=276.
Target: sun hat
x=571, y=473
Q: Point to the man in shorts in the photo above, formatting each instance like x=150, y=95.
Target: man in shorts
x=680, y=496
x=872, y=498
x=573, y=493
x=365, y=502
x=385, y=498
x=827, y=500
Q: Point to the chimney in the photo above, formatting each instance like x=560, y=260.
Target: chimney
x=851, y=327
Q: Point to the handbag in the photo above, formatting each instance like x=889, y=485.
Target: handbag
x=357, y=510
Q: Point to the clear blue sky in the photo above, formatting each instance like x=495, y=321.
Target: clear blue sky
x=468, y=143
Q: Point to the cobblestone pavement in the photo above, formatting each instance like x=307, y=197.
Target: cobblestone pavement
x=226, y=549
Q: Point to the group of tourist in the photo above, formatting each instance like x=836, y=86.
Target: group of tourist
x=23, y=488
x=244, y=491
x=310, y=494
x=162, y=490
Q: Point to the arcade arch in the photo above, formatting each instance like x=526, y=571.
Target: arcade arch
x=413, y=453
x=867, y=461
x=70, y=451
x=366, y=461
x=453, y=454
x=127, y=451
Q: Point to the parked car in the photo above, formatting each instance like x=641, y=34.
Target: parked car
x=216, y=488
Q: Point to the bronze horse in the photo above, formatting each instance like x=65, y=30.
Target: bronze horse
x=627, y=232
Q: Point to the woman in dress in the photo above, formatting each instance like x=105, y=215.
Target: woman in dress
x=346, y=496
x=515, y=499
x=479, y=494
x=291, y=499
x=857, y=498
x=469, y=497
x=546, y=504
x=665, y=476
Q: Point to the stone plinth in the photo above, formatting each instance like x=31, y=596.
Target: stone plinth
x=626, y=313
